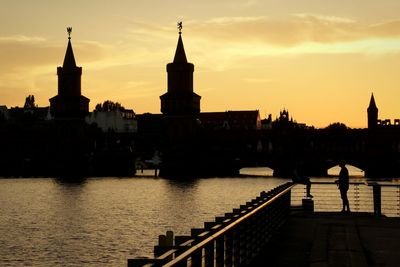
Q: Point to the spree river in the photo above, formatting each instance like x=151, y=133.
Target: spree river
x=105, y=221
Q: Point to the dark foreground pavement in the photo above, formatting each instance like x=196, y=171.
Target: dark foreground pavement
x=334, y=239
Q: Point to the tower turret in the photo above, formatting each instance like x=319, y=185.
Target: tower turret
x=69, y=102
x=180, y=98
x=372, y=113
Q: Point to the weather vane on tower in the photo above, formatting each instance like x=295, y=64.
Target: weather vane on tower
x=179, y=25
x=69, y=30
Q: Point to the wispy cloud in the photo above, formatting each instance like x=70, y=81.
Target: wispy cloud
x=30, y=53
x=22, y=38
x=298, y=29
x=222, y=41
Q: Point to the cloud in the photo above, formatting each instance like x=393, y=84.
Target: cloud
x=29, y=53
x=298, y=29
x=28, y=65
x=22, y=38
x=387, y=29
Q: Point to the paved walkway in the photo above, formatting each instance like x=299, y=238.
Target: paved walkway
x=334, y=239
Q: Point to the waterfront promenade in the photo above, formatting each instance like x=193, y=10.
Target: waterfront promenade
x=270, y=231
x=333, y=239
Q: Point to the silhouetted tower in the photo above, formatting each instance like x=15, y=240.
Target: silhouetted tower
x=372, y=113
x=69, y=102
x=180, y=105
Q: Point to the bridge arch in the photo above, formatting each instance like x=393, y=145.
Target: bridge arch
x=353, y=171
x=257, y=171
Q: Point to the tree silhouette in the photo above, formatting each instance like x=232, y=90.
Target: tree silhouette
x=108, y=106
x=337, y=126
x=30, y=102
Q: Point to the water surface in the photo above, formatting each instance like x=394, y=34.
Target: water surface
x=104, y=221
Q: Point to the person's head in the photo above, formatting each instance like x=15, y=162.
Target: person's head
x=342, y=163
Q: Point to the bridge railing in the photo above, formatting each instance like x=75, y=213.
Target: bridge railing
x=232, y=240
x=376, y=198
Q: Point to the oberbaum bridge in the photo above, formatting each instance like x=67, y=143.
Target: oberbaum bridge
x=260, y=232
x=209, y=144
x=221, y=143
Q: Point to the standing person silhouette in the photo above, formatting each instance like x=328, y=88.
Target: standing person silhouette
x=343, y=184
x=299, y=178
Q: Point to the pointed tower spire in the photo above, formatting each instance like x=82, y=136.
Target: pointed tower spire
x=180, y=55
x=69, y=59
x=180, y=98
x=372, y=112
x=372, y=102
x=69, y=102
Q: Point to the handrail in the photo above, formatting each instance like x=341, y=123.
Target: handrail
x=202, y=244
x=236, y=237
x=370, y=183
x=229, y=229
x=330, y=182
x=370, y=196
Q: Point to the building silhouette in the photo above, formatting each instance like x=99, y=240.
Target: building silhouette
x=230, y=120
x=373, y=120
x=69, y=102
x=372, y=112
x=111, y=116
x=180, y=105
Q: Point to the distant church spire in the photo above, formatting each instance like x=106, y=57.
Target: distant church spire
x=372, y=102
x=69, y=59
x=180, y=55
x=372, y=112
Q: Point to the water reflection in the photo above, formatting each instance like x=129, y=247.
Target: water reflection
x=68, y=219
x=70, y=180
x=182, y=184
x=177, y=197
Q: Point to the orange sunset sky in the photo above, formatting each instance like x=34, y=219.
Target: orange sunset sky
x=320, y=59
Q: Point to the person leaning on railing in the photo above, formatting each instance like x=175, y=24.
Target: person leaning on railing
x=343, y=185
x=298, y=178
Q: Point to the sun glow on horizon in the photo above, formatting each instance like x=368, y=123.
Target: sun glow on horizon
x=320, y=66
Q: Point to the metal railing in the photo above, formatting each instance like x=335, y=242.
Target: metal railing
x=377, y=198
x=386, y=199
x=232, y=240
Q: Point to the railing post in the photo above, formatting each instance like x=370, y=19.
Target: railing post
x=242, y=244
x=236, y=247
x=268, y=223
x=197, y=258
x=247, y=242
x=229, y=249
x=259, y=232
x=209, y=254
x=220, y=251
x=377, y=199
x=254, y=235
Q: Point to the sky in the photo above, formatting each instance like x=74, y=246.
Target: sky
x=319, y=59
